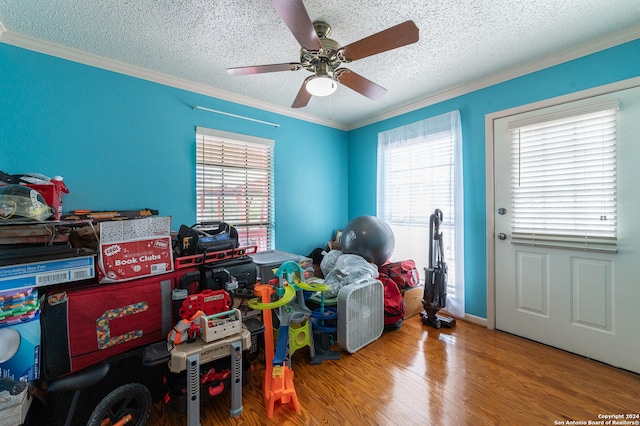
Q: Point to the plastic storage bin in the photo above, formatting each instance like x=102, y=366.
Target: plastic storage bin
x=267, y=261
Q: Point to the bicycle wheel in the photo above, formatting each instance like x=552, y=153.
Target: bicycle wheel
x=131, y=399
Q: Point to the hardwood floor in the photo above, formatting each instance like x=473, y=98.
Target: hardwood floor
x=417, y=375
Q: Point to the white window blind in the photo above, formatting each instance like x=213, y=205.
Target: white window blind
x=234, y=184
x=417, y=176
x=564, y=179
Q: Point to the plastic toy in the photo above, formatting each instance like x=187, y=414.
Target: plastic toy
x=324, y=325
x=212, y=376
x=186, y=330
x=296, y=314
x=278, y=384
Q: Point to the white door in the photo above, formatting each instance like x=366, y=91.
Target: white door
x=582, y=301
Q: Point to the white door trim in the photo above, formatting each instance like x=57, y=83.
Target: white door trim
x=489, y=160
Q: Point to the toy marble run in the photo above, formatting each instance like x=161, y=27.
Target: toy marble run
x=278, y=387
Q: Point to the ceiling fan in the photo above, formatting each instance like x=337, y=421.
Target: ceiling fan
x=323, y=56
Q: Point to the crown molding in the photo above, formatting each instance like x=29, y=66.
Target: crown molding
x=613, y=40
x=52, y=49
x=63, y=52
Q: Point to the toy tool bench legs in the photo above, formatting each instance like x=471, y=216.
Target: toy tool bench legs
x=188, y=357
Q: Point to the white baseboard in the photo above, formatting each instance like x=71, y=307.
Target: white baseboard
x=475, y=320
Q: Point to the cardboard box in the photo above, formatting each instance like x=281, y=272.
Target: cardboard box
x=20, y=351
x=14, y=408
x=336, y=243
x=49, y=272
x=135, y=248
x=413, y=301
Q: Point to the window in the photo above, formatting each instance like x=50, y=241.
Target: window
x=563, y=179
x=420, y=170
x=234, y=184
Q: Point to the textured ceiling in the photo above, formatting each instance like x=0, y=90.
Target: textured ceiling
x=461, y=42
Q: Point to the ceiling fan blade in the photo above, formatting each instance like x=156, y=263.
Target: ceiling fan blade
x=355, y=81
x=391, y=38
x=302, y=98
x=259, y=69
x=294, y=14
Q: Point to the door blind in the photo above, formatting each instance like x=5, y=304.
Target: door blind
x=234, y=184
x=564, y=180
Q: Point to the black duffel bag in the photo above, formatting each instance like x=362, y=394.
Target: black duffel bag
x=206, y=237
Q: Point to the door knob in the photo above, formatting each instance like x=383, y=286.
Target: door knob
x=502, y=236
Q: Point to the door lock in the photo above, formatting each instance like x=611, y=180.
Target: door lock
x=502, y=236
x=502, y=211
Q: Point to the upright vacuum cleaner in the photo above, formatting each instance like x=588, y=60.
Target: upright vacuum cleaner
x=435, y=286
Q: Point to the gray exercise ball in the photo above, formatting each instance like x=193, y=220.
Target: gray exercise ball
x=369, y=237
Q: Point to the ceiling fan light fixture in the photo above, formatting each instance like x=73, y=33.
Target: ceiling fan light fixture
x=321, y=85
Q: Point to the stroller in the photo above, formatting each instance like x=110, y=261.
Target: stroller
x=435, y=286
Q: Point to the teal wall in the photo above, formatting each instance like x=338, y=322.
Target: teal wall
x=125, y=143
x=615, y=64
